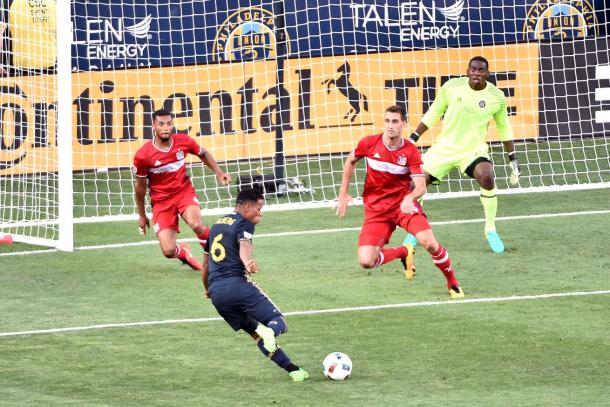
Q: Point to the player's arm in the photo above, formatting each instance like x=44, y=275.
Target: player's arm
x=506, y=135
x=209, y=161
x=419, y=189
x=140, y=193
x=245, y=254
x=204, y=275
x=348, y=172
x=432, y=116
x=419, y=131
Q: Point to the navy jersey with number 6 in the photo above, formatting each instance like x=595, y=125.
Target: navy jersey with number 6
x=223, y=247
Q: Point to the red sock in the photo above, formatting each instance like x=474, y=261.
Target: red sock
x=391, y=253
x=203, y=236
x=443, y=262
x=180, y=254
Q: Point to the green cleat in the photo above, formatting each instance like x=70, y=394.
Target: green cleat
x=268, y=337
x=495, y=243
x=299, y=375
x=409, y=263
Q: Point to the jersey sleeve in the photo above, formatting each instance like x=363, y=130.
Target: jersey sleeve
x=415, y=162
x=140, y=166
x=437, y=109
x=245, y=231
x=505, y=131
x=363, y=147
x=193, y=147
x=206, y=247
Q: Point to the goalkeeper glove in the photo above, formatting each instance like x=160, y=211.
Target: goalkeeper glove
x=515, y=169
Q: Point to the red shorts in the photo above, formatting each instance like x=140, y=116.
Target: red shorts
x=165, y=212
x=377, y=227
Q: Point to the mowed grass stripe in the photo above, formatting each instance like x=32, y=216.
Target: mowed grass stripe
x=316, y=231
x=314, y=312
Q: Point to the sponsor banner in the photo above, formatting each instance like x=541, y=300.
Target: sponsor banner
x=131, y=34
x=231, y=109
x=575, y=89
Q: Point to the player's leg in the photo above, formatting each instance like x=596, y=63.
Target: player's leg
x=259, y=307
x=437, y=164
x=165, y=223
x=191, y=213
x=375, y=233
x=410, y=241
x=482, y=170
x=232, y=301
x=418, y=225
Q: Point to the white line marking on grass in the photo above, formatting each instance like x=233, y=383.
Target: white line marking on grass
x=313, y=312
x=318, y=231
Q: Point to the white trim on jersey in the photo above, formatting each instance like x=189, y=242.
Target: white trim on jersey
x=171, y=167
x=162, y=150
x=383, y=166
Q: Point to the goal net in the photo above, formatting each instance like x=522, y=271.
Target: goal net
x=281, y=91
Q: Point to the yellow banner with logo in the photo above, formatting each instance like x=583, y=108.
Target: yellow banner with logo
x=230, y=108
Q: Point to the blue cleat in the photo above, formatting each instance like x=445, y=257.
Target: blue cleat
x=410, y=240
x=495, y=243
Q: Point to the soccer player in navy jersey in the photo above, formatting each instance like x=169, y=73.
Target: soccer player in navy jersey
x=227, y=266
x=392, y=164
x=160, y=165
x=467, y=105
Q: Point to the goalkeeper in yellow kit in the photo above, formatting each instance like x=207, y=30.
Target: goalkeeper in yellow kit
x=468, y=104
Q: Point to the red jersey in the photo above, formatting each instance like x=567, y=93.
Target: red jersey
x=165, y=169
x=388, y=172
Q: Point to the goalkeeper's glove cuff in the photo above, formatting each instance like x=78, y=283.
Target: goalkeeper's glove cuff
x=512, y=156
x=414, y=137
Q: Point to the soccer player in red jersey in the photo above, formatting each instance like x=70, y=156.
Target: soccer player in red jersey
x=160, y=164
x=392, y=163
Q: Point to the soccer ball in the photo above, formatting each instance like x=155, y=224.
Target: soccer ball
x=337, y=366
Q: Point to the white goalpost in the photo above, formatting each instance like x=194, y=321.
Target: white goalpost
x=280, y=92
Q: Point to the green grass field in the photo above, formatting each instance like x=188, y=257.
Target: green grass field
x=511, y=342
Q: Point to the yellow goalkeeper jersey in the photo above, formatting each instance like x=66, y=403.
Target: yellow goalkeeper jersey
x=467, y=113
x=34, y=31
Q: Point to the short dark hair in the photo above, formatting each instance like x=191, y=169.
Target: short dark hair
x=398, y=109
x=479, y=59
x=248, y=195
x=162, y=112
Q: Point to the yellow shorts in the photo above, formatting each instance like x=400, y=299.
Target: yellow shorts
x=438, y=162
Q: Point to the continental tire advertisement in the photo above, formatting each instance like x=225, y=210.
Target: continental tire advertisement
x=219, y=76
x=230, y=109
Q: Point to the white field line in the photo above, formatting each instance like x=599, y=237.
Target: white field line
x=313, y=312
x=319, y=231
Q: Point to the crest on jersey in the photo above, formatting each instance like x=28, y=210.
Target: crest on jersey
x=482, y=104
x=180, y=155
x=157, y=163
x=402, y=160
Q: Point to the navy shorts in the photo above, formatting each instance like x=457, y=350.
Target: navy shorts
x=238, y=300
